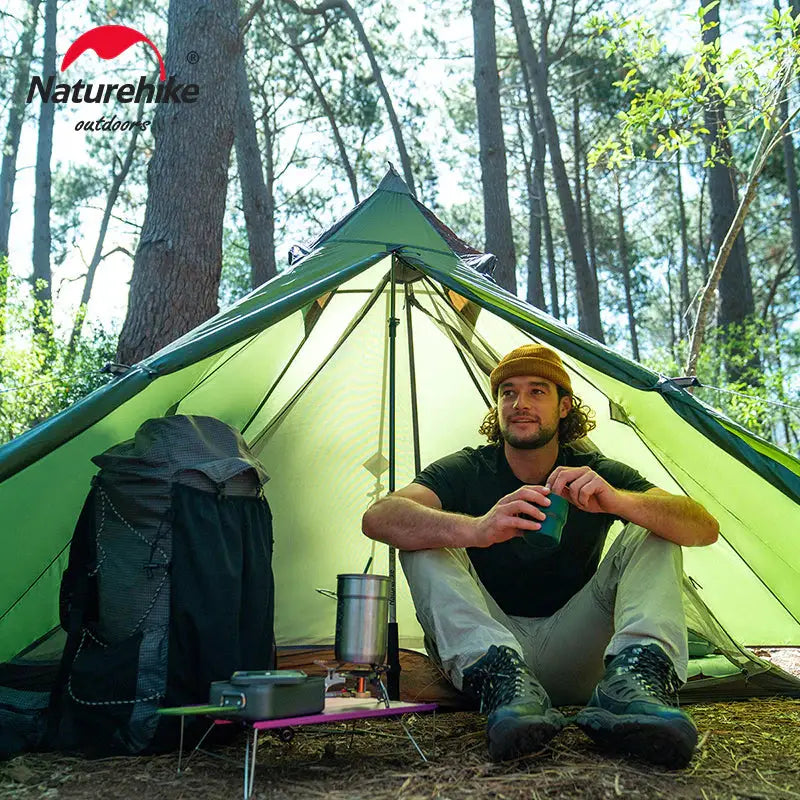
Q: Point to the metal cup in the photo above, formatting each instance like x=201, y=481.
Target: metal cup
x=362, y=618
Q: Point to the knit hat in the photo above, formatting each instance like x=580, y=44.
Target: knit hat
x=531, y=359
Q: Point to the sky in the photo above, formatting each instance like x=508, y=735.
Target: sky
x=109, y=296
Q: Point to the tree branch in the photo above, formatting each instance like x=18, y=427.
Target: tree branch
x=326, y=5
x=765, y=148
x=118, y=249
x=244, y=22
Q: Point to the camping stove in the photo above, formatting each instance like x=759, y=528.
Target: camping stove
x=355, y=681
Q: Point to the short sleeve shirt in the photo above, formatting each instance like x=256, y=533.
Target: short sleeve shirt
x=522, y=580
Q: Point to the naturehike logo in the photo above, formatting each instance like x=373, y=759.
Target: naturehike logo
x=108, y=42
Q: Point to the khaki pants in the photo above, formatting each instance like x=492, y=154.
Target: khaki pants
x=634, y=597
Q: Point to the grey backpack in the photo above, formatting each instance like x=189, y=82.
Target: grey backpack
x=169, y=585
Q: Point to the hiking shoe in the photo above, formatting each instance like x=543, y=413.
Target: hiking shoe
x=521, y=719
x=634, y=709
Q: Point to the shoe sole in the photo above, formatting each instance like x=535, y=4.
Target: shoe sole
x=515, y=737
x=670, y=743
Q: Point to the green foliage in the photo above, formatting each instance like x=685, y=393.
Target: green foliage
x=40, y=375
x=769, y=407
x=670, y=105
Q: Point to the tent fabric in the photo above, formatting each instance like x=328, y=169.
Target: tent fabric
x=302, y=367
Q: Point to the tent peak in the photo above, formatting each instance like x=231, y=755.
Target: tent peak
x=392, y=182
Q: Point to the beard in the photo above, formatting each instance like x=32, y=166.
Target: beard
x=533, y=441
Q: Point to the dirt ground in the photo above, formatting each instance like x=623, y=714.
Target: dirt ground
x=748, y=749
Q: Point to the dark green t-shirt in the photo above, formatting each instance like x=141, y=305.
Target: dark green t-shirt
x=522, y=580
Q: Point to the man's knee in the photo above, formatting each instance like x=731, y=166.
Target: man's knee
x=425, y=565
x=638, y=549
x=637, y=542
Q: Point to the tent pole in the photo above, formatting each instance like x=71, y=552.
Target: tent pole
x=412, y=372
x=393, y=675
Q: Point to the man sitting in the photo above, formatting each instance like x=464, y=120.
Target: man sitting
x=520, y=629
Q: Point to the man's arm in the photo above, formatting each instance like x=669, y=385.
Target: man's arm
x=674, y=517
x=412, y=519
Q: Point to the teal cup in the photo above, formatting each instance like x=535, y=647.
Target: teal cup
x=548, y=537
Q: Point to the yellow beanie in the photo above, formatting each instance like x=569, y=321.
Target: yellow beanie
x=531, y=359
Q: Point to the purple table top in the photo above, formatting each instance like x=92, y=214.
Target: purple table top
x=338, y=709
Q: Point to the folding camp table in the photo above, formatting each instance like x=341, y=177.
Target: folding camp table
x=337, y=709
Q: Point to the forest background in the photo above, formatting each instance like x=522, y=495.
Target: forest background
x=634, y=173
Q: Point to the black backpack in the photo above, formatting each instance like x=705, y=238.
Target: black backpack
x=169, y=586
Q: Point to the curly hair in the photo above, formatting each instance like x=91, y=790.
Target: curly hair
x=575, y=425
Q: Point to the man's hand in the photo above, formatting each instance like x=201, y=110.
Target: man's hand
x=503, y=521
x=412, y=519
x=584, y=488
x=673, y=517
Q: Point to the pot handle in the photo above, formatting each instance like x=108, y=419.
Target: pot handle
x=327, y=593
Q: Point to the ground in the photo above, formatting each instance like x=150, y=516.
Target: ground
x=748, y=749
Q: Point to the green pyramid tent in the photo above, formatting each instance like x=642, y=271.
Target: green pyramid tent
x=367, y=359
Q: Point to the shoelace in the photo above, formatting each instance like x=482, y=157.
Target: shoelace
x=653, y=673
x=502, y=678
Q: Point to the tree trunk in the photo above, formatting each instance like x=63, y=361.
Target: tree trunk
x=590, y=225
x=178, y=262
x=624, y=265
x=535, y=288
x=672, y=337
x=703, y=237
x=117, y=179
x=576, y=152
x=789, y=165
x=16, y=114
x=707, y=297
x=328, y=111
x=329, y=5
x=42, y=277
x=683, y=321
x=588, y=304
x=735, y=285
x=582, y=188
x=552, y=276
x=791, y=181
x=269, y=153
x=259, y=213
x=744, y=364
x=494, y=178
x=535, y=293
x=405, y=161
x=542, y=211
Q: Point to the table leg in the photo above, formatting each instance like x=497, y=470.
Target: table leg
x=180, y=747
x=246, y=786
x=413, y=740
x=253, y=765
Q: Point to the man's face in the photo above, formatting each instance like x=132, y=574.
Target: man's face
x=529, y=410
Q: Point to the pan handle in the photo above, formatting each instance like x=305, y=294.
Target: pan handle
x=235, y=700
x=327, y=593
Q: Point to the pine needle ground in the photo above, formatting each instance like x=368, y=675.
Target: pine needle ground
x=748, y=749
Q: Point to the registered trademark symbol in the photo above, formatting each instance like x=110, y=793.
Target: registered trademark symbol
x=192, y=57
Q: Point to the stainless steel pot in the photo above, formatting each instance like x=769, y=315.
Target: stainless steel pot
x=362, y=618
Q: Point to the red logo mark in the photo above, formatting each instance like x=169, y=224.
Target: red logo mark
x=109, y=41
